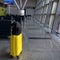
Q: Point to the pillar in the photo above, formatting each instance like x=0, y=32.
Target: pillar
x=52, y=16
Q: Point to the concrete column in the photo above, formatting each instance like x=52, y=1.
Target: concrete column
x=52, y=14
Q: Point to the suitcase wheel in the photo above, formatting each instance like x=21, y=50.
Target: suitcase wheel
x=10, y=56
x=17, y=57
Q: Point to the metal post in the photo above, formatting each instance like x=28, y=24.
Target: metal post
x=9, y=15
x=9, y=9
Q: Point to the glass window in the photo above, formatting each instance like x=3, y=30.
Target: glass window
x=43, y=19
x=58, y=28
x=49, y=8
x=45, y=9
x=47, y=20
x=47, y=1
x=58, y=9
x=56, y=23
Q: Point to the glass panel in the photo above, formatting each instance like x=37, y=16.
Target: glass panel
x=49, y=8
x=47, y=1
x=43, y=19
x=45, y=9
x=59, y=28
x=47, y=20
x=56, y=22
x=58, y=9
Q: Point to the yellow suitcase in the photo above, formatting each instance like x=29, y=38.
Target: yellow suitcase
x=15, y=45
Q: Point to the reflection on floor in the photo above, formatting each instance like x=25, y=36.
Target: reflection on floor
x=37, y=44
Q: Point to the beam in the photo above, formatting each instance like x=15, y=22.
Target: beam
x=17, y=4
x=24, y=5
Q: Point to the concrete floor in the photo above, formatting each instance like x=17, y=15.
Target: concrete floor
x=37, y=44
